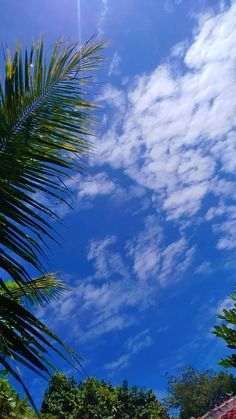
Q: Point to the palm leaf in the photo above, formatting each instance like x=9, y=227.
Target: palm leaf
x=26, y=340
x=43, y=289
x=45, y=123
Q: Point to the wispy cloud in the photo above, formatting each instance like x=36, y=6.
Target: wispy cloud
x=226, y=304
x=154, y=259
x=102, y=16
x=122, y=362
x=134, y=345
x=83, y=190
x=124, y=284
x=204, y=268
x=106, y=262
x=138, y=342
x=114, y=68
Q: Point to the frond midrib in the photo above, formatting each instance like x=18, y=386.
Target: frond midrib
x=35, y=104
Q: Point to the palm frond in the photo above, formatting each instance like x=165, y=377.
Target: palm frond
x=43, y=289
x=45, y=123
x=26, y=340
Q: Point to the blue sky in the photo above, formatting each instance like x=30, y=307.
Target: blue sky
x=149, y=249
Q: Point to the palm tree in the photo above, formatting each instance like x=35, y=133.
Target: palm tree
x=45, y=126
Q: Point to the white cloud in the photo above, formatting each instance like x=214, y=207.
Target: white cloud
x=107, y=300
x=225, y=304
x=114, y=68
x=96, y=185
x=122, y=362
x=218, y=32
x=122, y=286
x=154, y=259
x=223, y=5
x=102, y=17
x=186, y=200
x=138, y=342
x=224, y=225
x=169, y=5
x=179, y=49
x=227, y=230
x=134, y=345
x=173, y=133
x=113, y=96
x=106, y=266
x=145, y=249
x=205, y=268
x=176, y=259
x=82, y=190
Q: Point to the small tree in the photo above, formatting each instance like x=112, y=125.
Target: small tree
x=194, y=393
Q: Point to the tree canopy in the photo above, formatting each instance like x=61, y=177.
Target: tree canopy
x=11, y=405
x=95, y=399
x=194, y=393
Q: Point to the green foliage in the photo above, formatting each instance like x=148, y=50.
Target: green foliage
x=228, y=333
x=39, y=290
x=60, y=397
x=21, y=339
x=195, y=393
x=94, y=399
x=11, y=405
x=44, y=126
x=137, y=403
x=45, y=122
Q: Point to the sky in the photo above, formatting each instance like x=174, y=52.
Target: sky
x=149, y=247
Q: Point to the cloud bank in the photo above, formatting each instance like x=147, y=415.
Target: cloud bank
x=173, y=130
